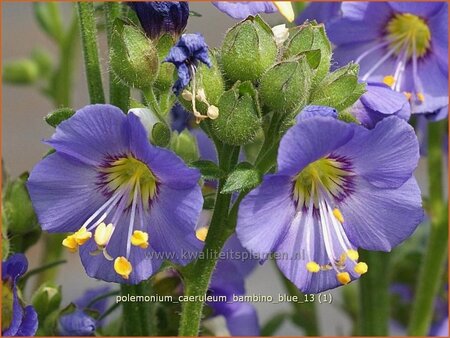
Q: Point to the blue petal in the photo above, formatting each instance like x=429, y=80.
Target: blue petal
x=241, y=318
x=265, y=214
x=63, y=192
x=93, y=133
x=77, y=323
x=310, y=140
x=29, y=324
x=380, y=219
x=312, y=111
x=242, y=9
x=322, y=12
x=14, y=267
x=423, y=9
x=385, y=156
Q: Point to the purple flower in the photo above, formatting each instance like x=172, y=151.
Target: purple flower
x=322, y=12
x=339, y=187
x=123, y=198
x=17, y=320
x=185, y=55
x=80, y=323
x=404, y=45
x=159, y=17
x=242, y=9
x=380, y=102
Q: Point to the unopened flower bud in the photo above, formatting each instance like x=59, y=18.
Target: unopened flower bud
x=133, y=57
x=249, y=48
x=20, y=72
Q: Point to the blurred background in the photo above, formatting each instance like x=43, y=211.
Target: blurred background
x=23, y=128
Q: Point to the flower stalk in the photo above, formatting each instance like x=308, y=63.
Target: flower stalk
x=198, y=275
x=433, y=264
x=90, y=51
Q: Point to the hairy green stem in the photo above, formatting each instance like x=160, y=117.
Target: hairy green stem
x=119, y=93
x=198, y=275
x=374, y=295
x=138, y=318
x=86, y=16
x=432, y=265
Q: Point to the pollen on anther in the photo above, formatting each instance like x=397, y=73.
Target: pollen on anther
x=420, y=97
x=70, y=243
x=389, y=80
x=123, y=267
x=201, y=233
x=337, y=213
x=312, y=267
x=343, y=277
x=353, y=254
x=140, y=239
x=361, y=268
x=82, y=236
x=102, y=234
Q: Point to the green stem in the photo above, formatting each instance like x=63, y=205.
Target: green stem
x=305, y=314
x=153, y=104
x=86, y=16
x=432, y=266
x=119, y=94
x=198, y=275
x=374, y=295
x=139, y=317
x=53, y=251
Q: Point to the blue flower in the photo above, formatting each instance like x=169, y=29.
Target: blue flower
x=404, y=45
x=17, y=320
x=123, y=198
x=159, y=17
x=242, y=9
x=80, y=323
x=185, y=55
x=339, y=187
x=379, y=102
x=322, y=12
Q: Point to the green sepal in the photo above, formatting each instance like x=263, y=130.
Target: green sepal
x=46, y=299
x=160, y=135
x=248, y=49
x=243, y=178
x=58, y=116
x=184, y=145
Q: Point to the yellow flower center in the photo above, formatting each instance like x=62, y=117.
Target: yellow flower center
x=411, y=32
x=134, y=173
x=323, y=175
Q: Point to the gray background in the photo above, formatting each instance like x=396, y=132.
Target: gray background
x=23, y=127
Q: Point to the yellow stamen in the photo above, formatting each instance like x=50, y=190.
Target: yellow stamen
x=201, y=233
x=361, y=268
x=82, y=236
x=70, y=243
x=337, y=213
x=353, y=254
x=140, y=239
x=342, y=259
x=102, y=234
x=421, y=97
x=389, y=80
x=312, y=267
x=285, y=8
x=408, y=95
x=343, y=277
x=123, y=267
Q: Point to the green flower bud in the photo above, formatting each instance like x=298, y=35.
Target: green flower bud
x=185, y=146
x=339, y=89
x=133, y=57
x=209, y=86
x=310, y=39
x=165, y=78
x=21, y=72
x=58, y=116
x=286, y=86
x=19, y=213
x=249, y=48
x=239, y=118
x=43, y=60
x=46, y=299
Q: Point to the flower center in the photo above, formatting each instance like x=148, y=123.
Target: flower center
x=326, y=175
x=409, y=32
x=132, y=173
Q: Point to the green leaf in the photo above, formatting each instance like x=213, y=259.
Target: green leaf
x=208, y=169
x=48, y=18
x=58, y=116
x=273, y=324
x=244, y=177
